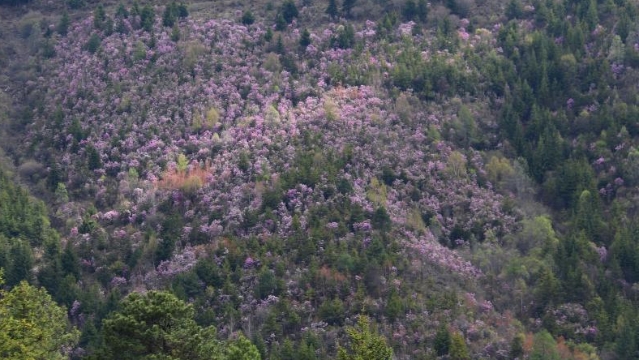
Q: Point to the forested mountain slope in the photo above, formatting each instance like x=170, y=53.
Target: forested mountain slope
x=462, y=173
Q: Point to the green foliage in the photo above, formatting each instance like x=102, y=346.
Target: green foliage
x=332, y=9
x=175, y=33
x=409, y=10
x=93, y=44
x=537, y=233
x=147, y=18
x=422, y=10
x=458, y=349
x=626, y=346
x=381, y=220
x=242, y=349
x=182, y=11
x=99, y=17
x=515, y=9
x=173, y=12
x=76, y=4
x=332, y=312
x=458, y=7
x=22, y=217
x=121, y=11
x=394, y=306
x=63, y=25
x=365, y=344
x=32, y=326
x=268, y=36
x=544, y=347
x=345, y=38
x=347, y=7
x=19, y=263
x=305, y=39
x=546, y=290
x=268, y=285
x=248, y=18
x=443, y=341
x=157, y=325
x=169, y=16
x=289, y=11
x=93, y=158
x=517, y=346
x=280, y=23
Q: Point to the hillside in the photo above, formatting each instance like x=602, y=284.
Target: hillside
x=462, y=173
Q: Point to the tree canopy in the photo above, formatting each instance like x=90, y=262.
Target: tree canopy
x=158, y=325
x=32, y=325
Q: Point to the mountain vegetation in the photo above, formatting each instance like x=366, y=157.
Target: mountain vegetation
x=351, y=179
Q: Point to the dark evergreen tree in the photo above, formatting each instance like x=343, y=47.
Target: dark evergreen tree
x=63, y=25
x=289, y=11
x=182, y=11
x=147, y=18
x=442, y=341
x=170, y=15
x=332, y=10
x=422, y=10
x=515, y=9
x=69, y=262
x=93, y=158
x=347, y=7
x=121, y=12
x=21, y=263
x=99, y=17
x=93, y=45
x=248, y=18
x=280, y=23
x=305, y=39
x=409, y=10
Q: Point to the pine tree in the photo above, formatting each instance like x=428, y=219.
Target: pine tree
x=305, y=39
x=158, y=325
x=442, y=341
x=170, y=15
x=280, y=22
x=94, y=161
x=592, y=16
x=409, y=10
x=248, y=18
x=422, y=10
x=32, y=325
x=332, y=10
x=147, y=18
x=458, y=349
x=517, y=347
x=394, y=307
x=347, y=6
x=365, y=344
x=21, y=263
x=121, y=12
x=99, y=17
x=289, y=11
x=63, y=25
x=514, y=10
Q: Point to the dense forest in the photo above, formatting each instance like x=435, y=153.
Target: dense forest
x=353, y=179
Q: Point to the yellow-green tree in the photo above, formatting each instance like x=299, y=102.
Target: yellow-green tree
x=365, y=344
x=458, y=349
x=32, y=325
